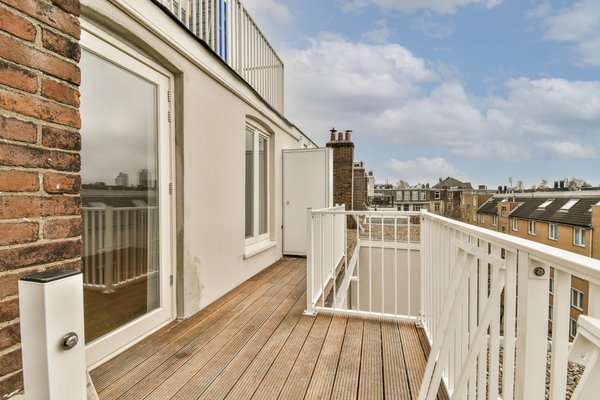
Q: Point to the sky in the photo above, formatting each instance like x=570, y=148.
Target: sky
x=481, y=90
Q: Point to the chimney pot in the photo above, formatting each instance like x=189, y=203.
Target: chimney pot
x=348, y=132
x=332, y=137
x=340, y=136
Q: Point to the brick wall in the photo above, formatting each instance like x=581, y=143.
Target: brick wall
x=595, y=232
x=40, y=223
x=343, y=162
x=359, y=197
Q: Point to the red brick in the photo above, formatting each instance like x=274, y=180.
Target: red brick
x=62, y=183
x=10, y=362
x=39, y=108
x=18, y=232
x=16, y=25
x=61, y=45
x=70, y=6
x=45, y=253
x=17, y=52
x=9, y=336
x=62, y=228
x=17, y=78
x=59, y=92
x=18, y=181
x=53, y=16
x=38, y=206
x=11, y=384
x=60, y=138
x=14, y=129
x=31, y=157
x=9, y=282
x=9, y=310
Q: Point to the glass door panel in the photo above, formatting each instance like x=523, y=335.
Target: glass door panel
x=120, y=176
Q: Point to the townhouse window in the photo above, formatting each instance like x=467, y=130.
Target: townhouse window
x=531, y=227
x=437, y=195
x=450, y=195
x=515, y=224
x=494, y=220
x=406, y=195
x=474, y=200
x=436, y=207
x=416, y=207
x=449, y=206
x=415, y=195
x=257, y=185
x=579, y=237
x=550, y=313
x=422, y=196
x=577, y=299
x=462, y=201
x=573, y=328
x=552, y=232
x=504, y=212
x=474, y=217
x=482, y=218
x=551, y=288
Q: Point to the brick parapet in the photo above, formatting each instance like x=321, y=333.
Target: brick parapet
x=40, y=184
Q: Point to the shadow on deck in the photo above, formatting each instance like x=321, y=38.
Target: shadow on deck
x=254, y=343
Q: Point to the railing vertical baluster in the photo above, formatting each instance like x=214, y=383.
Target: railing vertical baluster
x=310, y=264
x=532, y=325
x=370, y=266
x=382, y=265
x=494, y=366
x=396, y=267
x=358, y=279
x=333, y=258
x=409, y=265
x=560, y=334
x=482, y=302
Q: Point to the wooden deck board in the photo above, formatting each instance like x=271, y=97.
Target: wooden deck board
x=254, y=343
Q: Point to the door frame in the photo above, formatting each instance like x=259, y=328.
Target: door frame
x=109, y=48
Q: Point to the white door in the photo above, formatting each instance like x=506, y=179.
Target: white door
x=307, y=183
x=126, y=168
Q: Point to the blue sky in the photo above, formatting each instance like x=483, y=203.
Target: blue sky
x=482, y=90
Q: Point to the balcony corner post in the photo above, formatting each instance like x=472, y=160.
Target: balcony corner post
x=310, y=309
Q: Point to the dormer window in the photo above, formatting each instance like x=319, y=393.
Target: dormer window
x=569, y=204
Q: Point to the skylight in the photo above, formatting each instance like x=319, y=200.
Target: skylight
x=546, y=203
x=569, y=204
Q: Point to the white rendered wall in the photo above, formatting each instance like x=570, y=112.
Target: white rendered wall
x=212, y=107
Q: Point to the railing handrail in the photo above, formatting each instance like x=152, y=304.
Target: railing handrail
x=582, y=266
x=367, y=212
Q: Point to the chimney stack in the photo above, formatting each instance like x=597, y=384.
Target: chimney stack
x=343, y=166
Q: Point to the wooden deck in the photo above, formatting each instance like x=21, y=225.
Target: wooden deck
x=254, y=343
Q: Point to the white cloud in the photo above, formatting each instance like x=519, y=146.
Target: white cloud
x=569, y=149
x=380, y=32
x=439, y=6
x=273, y=9
x=579, y=24
x=387, y=93
x=423, y=170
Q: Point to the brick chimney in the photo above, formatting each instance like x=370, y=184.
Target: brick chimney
x=343, y=163
x=359, y=187
x=595, y=232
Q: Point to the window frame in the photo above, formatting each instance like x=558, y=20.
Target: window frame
x=256, y=236
x=579, y=239
x=531, y=227
x=494, y=220
x=515, y=224
x=550, y=236
x=482, y=218
x=437, y=195
x=572, y=327
x=577, y=299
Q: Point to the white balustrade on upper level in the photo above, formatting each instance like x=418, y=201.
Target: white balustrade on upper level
x=482, y=297
x=229, y=30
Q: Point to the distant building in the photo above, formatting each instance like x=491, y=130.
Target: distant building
x=144, y=178
x=122, y=179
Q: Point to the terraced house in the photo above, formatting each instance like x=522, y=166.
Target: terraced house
x=151, y=189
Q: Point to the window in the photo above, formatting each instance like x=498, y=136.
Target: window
x=422, y=196
x=552, y=231
x=504, y=212
x=449, y=207
x=494, y=220
x=482, y=218
x=550, y=313
x=474, y=217
x=577, y=299
x=546, y=203
x=450, y=194
x=531, y=227
x=437, y=195
x=462, y=201
x=515, y=224
x=257, y=185
x=436, y=207
x=569, y=204
x=579, y=237
x=406, y=195
x=416, y=207
x=415, y=195
x=474, y=200
x=573, y=328
x=551, y=285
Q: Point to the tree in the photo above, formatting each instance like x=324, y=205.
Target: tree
x=519, y=187
x=543, y=185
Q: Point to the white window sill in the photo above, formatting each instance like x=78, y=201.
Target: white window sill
x=259, y=247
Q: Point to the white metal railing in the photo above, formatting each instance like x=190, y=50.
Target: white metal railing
x=229, y=30
x=120, y=245
x=473, y=281
x=361, y=262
